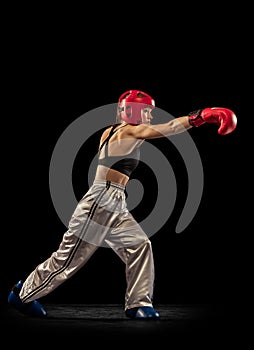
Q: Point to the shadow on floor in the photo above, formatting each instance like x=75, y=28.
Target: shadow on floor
x=66, y=323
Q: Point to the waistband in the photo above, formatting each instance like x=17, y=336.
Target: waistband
x=109, y=183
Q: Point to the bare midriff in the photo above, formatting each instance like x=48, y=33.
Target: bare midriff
x=105, y=174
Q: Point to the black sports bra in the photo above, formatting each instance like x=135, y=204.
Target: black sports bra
x=124, y=164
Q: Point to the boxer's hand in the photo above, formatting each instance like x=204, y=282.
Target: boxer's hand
x=223, y=117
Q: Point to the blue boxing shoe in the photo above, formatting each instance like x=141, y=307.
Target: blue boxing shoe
x=33, y=308
x=142, y=312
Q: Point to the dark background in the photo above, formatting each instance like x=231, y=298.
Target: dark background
x=56, y=73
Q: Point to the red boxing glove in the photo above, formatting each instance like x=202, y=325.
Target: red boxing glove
x=223, y=117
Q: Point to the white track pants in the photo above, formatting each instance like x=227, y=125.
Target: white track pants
x=101, y=219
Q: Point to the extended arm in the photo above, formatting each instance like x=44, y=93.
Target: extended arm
x=223, y=117
x=175, y=126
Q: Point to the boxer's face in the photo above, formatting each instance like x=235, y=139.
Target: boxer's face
x=146, y=115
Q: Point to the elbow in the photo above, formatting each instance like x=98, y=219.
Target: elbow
x=171, y=129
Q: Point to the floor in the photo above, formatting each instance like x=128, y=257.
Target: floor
x=107, y=324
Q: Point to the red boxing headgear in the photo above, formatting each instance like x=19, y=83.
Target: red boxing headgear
x=130, y=104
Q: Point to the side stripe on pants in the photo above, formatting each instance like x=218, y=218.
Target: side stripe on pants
x=75, y=249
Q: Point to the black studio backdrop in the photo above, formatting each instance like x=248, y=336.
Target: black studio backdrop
x=195, y=266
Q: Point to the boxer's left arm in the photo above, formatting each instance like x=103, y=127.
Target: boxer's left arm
x=153, y=131
x=223, y=117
